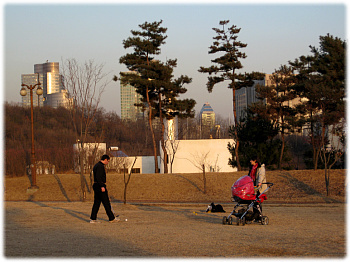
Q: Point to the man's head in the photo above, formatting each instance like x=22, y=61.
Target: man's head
x=105, y=159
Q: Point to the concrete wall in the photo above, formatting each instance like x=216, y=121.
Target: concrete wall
x=144, y=163
x=189, y=156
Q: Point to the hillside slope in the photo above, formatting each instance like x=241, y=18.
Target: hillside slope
x=300, y=186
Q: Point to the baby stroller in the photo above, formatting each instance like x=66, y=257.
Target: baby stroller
x=250, y=203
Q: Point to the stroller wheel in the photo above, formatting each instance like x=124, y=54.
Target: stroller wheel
x=224, y=221
x=241, y=221
x=264, y=220
x=229, y=221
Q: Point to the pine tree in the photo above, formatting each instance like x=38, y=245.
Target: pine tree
x=153, y=79
x=321, y=82
x=256, y=135
x=168, y=105
x=279, y=107
x=146, y=44
x=225, y=69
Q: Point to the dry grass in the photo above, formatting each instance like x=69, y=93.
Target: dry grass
x=168, y=230
x=52, y=225
x=289, y=186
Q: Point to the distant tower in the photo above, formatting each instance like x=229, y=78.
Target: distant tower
x=51, y=78
x=31, y=80
x=171, y=129
x=207, y=116
x=129, y=97
x=51, y=81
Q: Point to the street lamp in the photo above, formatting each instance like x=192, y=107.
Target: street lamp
x=23, y=92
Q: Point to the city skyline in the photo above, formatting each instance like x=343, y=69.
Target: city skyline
x=275, y=34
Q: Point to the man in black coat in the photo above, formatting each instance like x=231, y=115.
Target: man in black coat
x=100, y=191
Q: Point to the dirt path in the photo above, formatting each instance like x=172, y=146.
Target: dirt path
x=62, y=229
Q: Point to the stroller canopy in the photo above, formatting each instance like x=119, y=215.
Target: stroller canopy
x=243, y=188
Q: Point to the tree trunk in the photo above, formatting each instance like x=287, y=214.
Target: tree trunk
x=326, y=176
x=204, y=180
x=152, y=132
x=82, y=179
x=314, y=157
x=151, y=127
x=165, y=156
x=314, y=147
x=235, y=130
x=282, y=150
x=125, y=186
x=126, y=181
x=162, y=140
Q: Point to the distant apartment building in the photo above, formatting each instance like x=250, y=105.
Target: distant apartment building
x=51, y=81
x=246, y=96
x=128, y=98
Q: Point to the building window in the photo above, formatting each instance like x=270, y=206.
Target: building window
x=122, y=170
x=135, y=170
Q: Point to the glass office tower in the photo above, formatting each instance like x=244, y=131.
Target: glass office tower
x=48, y=74
x=52, y=80
x=129, y=97
x=31, y=80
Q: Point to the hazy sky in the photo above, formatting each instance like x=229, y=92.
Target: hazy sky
x=275, y=33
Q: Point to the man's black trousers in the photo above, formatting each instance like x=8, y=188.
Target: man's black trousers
x=99, y=197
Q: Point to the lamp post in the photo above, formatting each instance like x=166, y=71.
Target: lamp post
x=23, y=92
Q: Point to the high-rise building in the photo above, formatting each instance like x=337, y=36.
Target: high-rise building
x=129, y=97
x=48, y=75
x=31, y=80
x=207, y=116
x=51, y=78
x=56, y=100
x=246, y=96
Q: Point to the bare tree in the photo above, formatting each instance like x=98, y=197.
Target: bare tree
x=201, y=161
x=127, y=180
x=170, y=144
x=119, y=163
x=85, y=84
x=331, y=153
x=171, y=147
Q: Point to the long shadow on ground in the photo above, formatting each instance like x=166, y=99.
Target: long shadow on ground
x=301, y=186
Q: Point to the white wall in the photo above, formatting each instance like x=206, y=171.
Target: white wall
x=144, y=163
x=190, y=155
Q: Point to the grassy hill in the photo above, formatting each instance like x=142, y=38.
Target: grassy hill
x=301, y=186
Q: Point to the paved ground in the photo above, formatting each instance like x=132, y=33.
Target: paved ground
x=62, y=229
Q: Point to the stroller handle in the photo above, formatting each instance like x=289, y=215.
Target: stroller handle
x=266, y=183
x=268, y=187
